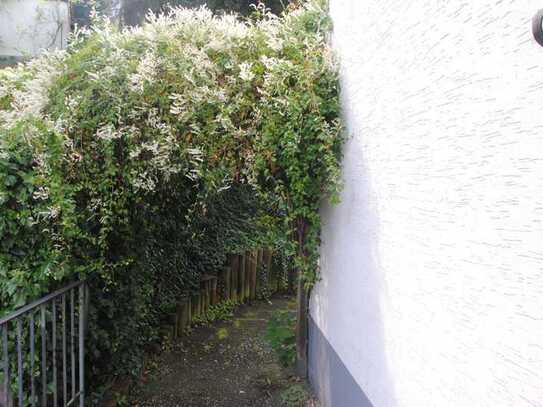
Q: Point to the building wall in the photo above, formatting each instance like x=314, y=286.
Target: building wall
x=432, y=265
x=29, y=26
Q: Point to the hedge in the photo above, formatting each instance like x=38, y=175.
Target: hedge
x=138, y=158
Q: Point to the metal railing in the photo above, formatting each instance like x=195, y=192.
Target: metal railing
x=41, y=366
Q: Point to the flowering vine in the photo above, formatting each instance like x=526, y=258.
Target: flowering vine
x=129, y=137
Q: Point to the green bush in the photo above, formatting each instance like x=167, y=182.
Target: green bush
x=140, y=158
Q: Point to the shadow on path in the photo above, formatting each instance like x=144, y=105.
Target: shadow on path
x=228, y=364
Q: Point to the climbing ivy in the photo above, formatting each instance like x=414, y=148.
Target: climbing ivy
x=139, y=158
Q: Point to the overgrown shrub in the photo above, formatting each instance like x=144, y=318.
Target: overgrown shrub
x=139, y=158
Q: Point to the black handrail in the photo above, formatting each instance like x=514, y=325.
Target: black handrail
x=60, y=345
x=37, y=303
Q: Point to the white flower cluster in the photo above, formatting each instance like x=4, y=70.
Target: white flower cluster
x=173, y=90
x=108, y=132
x=272, y=29
x=42, y=193
x=245, y=73
x=29, y=87
x=145, y=73
x=145, y=182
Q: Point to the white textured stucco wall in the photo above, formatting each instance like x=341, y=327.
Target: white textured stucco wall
x=29, y=26
x=432, y=265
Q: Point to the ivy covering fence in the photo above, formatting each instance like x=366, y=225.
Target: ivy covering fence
x=140, y=158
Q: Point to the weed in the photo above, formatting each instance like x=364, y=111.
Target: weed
x=282, y=336
x=219, y=312
x=295, y=395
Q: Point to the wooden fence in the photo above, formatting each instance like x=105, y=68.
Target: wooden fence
x=245, y=278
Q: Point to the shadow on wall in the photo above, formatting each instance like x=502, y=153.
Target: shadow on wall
x=348, y=360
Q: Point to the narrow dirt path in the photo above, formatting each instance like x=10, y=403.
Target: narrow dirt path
x=229, y=364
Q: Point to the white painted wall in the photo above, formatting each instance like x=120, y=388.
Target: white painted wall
x=432, y=265
x=29, y=26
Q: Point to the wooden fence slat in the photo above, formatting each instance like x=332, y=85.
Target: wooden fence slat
x=234, y=287
x=208, y=295
x=272, y=283
x=234, y=277
x=226, y=283
x=203, y=302
x=214, y=293
x=195, y=299
x=242, y=278
x=258, y=278
x=248, y=268
x=254, y=266
x=188, y=313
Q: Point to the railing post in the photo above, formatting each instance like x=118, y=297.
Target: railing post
x=32, y=352
x=82, y=345
x=72, y=341
x=54, y=343
x=38, y=315
x=64, y=358
x=43, y=357
x=5, y=351
x=20, y=362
